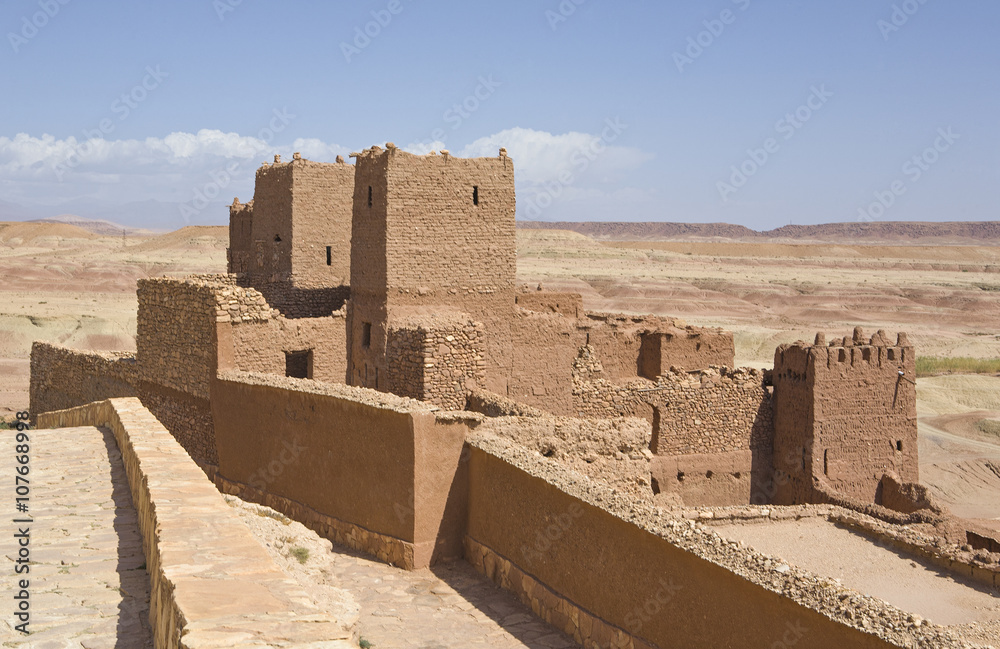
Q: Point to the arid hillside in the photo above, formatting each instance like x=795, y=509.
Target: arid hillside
x=891, y=232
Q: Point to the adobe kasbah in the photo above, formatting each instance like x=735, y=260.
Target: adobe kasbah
x=370, y=367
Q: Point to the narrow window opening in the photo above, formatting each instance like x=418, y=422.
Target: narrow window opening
x=680, y=476
x=826, y=463
x=299, y=364
x=369, y=195
x=366, y=335
x=277, y=238
x=329, y=255
x=899, y=445
x=475, y=195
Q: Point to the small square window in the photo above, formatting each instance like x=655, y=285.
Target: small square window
x=299, y=365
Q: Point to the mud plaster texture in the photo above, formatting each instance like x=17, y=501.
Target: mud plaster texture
x=833, y=614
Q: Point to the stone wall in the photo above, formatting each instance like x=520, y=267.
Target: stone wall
x=712, y=431
x=65, y=378
x=436, y=359
x=432, y=231
x=846, y=413
x=198, y=553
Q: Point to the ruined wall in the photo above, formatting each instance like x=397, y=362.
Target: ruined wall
x=261, y=346
x=65, y=378
x=712, y=430
x=568, y=548
x=690, y=348
x=545, y=346
x=369, y=469
x=433, y=231
x=436, y=359
x=240, y=255
x=845, y=413
x=567, y=304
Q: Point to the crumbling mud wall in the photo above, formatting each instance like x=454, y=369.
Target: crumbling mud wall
x=532, y=525
x=434, y=358
x=845, y=414
x=368, y=469
x=567, y=304
x=712, y=430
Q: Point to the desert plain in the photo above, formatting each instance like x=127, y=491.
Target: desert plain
x=66, y=284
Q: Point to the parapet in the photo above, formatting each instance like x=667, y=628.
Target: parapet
x=391, y=149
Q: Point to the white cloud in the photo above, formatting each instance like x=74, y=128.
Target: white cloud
x=181, y=166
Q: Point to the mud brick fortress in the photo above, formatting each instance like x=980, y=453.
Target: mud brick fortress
x=371, y=315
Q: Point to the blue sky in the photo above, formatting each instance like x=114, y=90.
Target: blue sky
x=754, y=112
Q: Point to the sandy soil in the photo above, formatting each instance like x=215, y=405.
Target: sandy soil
x=863, y=565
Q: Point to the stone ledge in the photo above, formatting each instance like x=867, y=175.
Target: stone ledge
x=212, y=585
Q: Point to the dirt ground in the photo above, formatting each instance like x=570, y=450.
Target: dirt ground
x=60, y=283
x=863, y=565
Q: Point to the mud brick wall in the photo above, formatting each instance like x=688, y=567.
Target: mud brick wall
x=188, y=418
x=435, y=359
x=378, y=472
x=64, y=378
x=845, y=415
x=690, y=348
x=322, y=204
x=532, y=525
x=615, y=451
x=295, y=302
x=712, y=430
x=260, y=346
x=545, y=346
x=240, y=252
x=407, y=210
x=568, y=304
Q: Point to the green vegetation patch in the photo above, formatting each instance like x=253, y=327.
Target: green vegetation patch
x=933, y=365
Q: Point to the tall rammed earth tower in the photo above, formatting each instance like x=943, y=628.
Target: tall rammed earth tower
x=845, y=414
x=431, y=236
x=297, y=228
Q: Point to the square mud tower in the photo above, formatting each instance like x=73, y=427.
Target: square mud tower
x=430, y=234
x=297, y=228
x=844, y=416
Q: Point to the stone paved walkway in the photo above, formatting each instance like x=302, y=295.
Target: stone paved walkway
x=89, y=587
x=450, y=607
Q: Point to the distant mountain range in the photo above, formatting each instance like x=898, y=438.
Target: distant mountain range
x=150, y=215
x=97, y=226
x=871, y=232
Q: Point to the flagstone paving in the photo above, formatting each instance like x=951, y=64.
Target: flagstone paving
x=88, y=585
